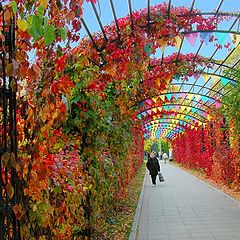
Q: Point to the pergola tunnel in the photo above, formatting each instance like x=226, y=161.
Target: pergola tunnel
x=77, y=113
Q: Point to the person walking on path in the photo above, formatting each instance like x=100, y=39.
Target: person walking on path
x=165, y=157
x=153, y=167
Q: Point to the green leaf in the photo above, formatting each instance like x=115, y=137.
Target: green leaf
x=63, y=33
x=30, y=19
x=41, y=10
x=76, y=229
x=45, y=21
x=49, y=34
x=14, y=7
x=57, y=189
x=36, y=28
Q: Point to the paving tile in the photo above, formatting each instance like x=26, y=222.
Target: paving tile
x=185, y=208
x=158, y=237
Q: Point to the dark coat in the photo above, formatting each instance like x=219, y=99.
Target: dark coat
x=153, y=166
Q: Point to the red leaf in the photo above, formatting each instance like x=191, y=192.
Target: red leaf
x=93, y=1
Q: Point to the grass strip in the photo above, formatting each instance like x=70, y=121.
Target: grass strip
x=118, y=227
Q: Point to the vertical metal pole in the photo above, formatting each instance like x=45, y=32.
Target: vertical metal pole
x=9, y=226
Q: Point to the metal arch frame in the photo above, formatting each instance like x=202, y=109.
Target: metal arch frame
x=216, y=13
x=177, y=119
x=182, y=113
x=165, y=129
x=210, y=61
x=211, y=92
x=218, y=92
x=130, y=13
x=153, y=123
x=173, y=104
x=186, y=99
x=220, y=31
x=196, y=85
x=161, y=126
x=164, y=134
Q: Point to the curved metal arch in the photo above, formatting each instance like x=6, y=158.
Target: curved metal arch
x=209, y=79
x=178, y=92
x=168, y=134
x=204, y=85
x=219, y=75
x=230, y=69
x=165, y=129
x=210, y=91
x=196, y=85
x=177, y=119
x=220, y=31
x=184, y=114
x=154, y=123
x=221, y=65
x=232, y=14
x=216, y=13
x=175, y=127
x=173, y=104
x=212, y=13
x=192, y=100
x=171, y=127
x=168, y=119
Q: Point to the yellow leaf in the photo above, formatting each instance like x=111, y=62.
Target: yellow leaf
x=34, y=207
x=5, y=158
x=43, y=115
x=44, y=3
x=9, y=69
x=22, y=24
x=111, y=69
x=158, y=81
x=178, y=41
x=10, y=190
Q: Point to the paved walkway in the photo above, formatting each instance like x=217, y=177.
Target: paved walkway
x=184, y=207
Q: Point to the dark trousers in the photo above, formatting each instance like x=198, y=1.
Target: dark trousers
x=154, y=179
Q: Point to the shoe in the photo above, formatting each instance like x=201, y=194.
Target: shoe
x=154, y=185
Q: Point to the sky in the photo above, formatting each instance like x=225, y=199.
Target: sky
x=121, y=8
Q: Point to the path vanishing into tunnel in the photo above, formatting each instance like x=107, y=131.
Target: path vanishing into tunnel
x=184, y=207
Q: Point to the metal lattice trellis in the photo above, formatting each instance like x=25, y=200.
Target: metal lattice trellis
x=9, y=225
x=212, y=90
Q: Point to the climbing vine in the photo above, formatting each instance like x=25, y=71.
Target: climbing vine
x=80, y=141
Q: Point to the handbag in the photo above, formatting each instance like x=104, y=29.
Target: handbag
x=161, y=179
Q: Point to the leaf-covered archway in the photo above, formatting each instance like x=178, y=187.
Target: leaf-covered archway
x=186, y=86
x=82, y=113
